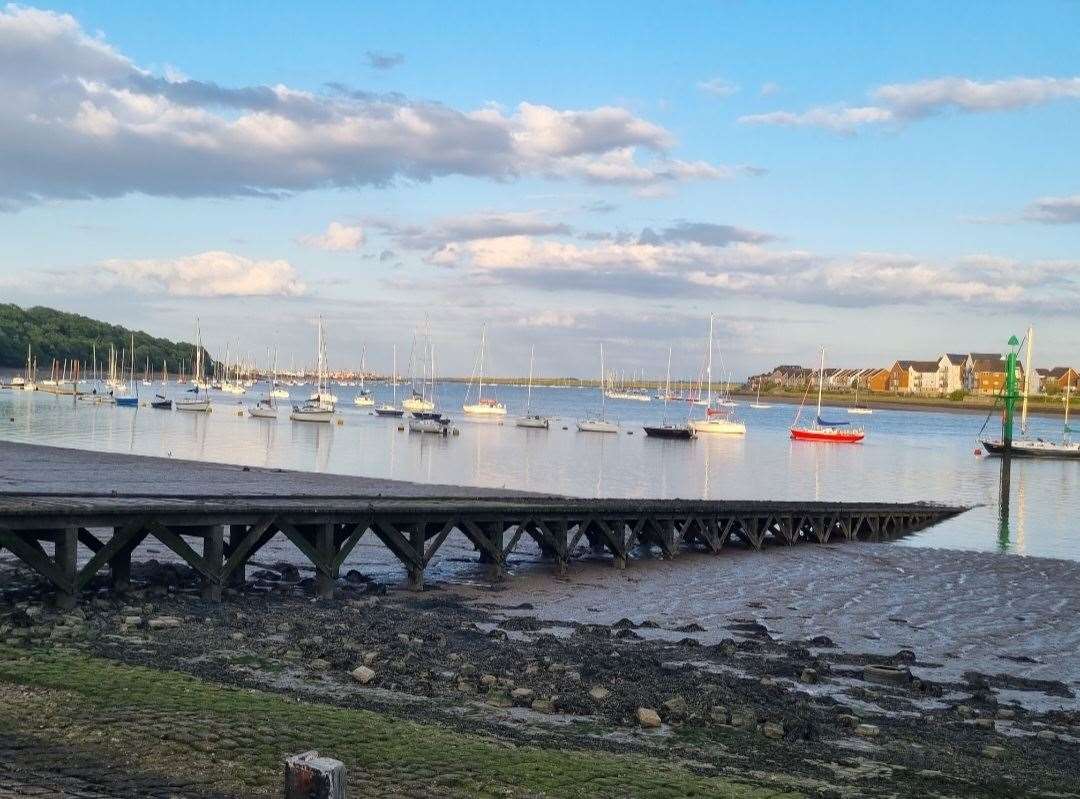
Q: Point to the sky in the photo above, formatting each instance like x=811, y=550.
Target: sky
x=885, y=180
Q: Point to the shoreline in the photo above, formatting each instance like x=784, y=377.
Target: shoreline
x=879, y=695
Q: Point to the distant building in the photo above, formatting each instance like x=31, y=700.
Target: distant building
x=915, y=377
x=951, y=369
x=1055, y=379
x=985, y=373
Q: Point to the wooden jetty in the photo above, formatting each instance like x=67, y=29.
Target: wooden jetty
x=217, y=517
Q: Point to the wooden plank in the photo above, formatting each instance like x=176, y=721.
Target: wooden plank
x=301, y=542
x=351, y=540
x=35, y=558
x=180, y=547
x=242, y=550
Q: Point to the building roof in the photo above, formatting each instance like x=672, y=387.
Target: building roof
x=956, y=359
x=986, y=356
x=924, y=366
x=994, y=365
x=1055, y=372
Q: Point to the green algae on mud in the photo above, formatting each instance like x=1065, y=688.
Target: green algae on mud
x=234, y=740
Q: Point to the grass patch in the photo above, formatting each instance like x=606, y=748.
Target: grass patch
x=234, y=740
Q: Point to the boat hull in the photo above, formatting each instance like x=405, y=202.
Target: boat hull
x=320, y=415
x=1033, y=449
x=722, y=427
x=262, y=413
x=434, y=426
x=533, y=422
x=162, y=405
x=827, y=435
x=684, y=433
x=196, y=406
x=483, y=410
x=396, y=413
x=363, y=402
x=415, y=405
x=127, y=402
x=597, y=426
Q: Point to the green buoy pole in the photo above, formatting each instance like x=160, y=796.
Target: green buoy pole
x=1012, y=394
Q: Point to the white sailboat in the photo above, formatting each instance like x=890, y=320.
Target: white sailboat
x=531, y=419
x=859, y=408
x=757, y=404
x=196, y=402
x=320, y=407
x=482, y=407
x=422, y=401
x=265, y=408
x=364, y=397
x=716, y=422
x=391, y=409
x=599, y=424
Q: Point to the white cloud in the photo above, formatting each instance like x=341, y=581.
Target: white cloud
x=770, y=88
x=207, y=274
x=718, y=87
x=82, y=120
x=905, y=102
x=839, y=119
x=337, y=238
x=1055, y=210
x=549, y=319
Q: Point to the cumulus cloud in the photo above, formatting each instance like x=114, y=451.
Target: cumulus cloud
x=1054, y=210
x=383, y=61
x=718, y=87
x=337, y=238
x=768, y=89
x=906, y=102
x=690, y=259
x=207, y=274
x=80, y=119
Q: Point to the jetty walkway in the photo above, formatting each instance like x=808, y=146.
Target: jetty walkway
x=216, y=517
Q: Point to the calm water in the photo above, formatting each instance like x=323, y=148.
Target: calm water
x=907, y=456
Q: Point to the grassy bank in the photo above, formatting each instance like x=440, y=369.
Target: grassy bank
x=232, y=740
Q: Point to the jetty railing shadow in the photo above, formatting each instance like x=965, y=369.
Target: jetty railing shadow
x=230, y=530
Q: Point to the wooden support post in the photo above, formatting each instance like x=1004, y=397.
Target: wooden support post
x=496, y=565
x=309, y=776
x=213, y=556
x=238, y=576
x=120, y=567
x=418, y=539
x=325, y=575
x=67, y=542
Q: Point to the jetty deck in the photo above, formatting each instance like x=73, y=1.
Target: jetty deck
x=216, y=517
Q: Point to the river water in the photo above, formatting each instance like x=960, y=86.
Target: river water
x=907, y=456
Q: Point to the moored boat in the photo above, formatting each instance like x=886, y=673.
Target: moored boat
x=484, y=406
x=822, y=430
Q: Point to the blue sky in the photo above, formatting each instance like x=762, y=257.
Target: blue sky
x=887, y=180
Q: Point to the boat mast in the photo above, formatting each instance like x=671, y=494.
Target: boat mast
x=528, y=394
x=667, y=384
x=820, y=382
x=395, y=375
x=708, y=367
x=480, y=379
x=603, y=392
x=1068, y=391
x=1027, y=382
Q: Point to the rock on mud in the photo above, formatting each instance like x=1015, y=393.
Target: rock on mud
x=363, y=675
x=647, y=717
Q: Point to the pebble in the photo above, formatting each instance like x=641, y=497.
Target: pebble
x=1046, y=735
x=133, y=621
x=984, y=724
x=867, y=730
x=488, y=680
x=809, y=676
x=964, y=712
x=647, y=717
x=1006, y=713
x=599, y=693
x=164, y=622
x=363, y=675
x=522, y=696
x=993, y=752
x=771, y=729
x=318, y=664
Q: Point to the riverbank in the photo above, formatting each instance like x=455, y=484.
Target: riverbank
x=861, y=670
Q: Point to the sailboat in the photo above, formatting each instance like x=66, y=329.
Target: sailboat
x=822, y=430
x=599, y=424
x=130, y=400
x=531, y=419
x=422, y=401
x=1025, y=447
x=666, y=429
x=320, y=407
x=363, y=397
x=196, y=403
x=859, y=408
x=160, y=401
x=757, y=404
x=482, y=407
x=265, y=408
x=716, y=421
x=391, y=409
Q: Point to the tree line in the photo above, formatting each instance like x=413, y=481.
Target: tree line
x=58, y=335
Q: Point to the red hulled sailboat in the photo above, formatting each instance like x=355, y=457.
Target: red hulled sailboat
x=830, y=432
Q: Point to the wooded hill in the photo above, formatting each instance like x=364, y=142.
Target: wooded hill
x=54, y=334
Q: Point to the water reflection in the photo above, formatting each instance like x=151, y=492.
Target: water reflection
x=908, y=456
